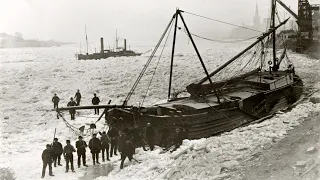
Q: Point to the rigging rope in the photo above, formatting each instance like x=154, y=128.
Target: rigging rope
x=215, y=40
x=148, y=62
x=222, y=22
x=154, y=72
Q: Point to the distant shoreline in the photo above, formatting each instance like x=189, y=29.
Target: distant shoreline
x=9, y=41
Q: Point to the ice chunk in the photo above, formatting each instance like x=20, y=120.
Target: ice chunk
x=311, y=150
x=230, y=164
x=315, y=100
x=301, y=164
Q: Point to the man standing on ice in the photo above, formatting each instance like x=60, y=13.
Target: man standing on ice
x=164, y=136
x=72, y=111
x=95, y=147
x=77, y=96
x=185, y=127
x=47, y=160
x=96, y=101
x=55, y=101
x=121, y=141
x=105, y=140
x=57, y=151
x=81, y=151
x=68, y=155
x=150, y=136
x=128, y=151
x=137, y=138
x=113, y=134
x=177, y=139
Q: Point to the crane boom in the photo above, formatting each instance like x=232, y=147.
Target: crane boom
x=287, y=8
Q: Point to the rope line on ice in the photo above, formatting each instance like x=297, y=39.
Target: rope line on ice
x=70, y=126
x=80, y=131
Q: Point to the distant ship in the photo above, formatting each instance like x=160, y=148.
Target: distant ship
x=103, y=54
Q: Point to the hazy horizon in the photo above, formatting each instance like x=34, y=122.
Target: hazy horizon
x=138, y=21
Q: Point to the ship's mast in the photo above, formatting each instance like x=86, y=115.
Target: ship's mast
x=85, y=28
x=272, y=26
x=116, y=39
x=172, y=53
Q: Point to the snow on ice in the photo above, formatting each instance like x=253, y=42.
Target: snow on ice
x=29, y=77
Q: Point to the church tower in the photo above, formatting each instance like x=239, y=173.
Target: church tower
x=256, y=20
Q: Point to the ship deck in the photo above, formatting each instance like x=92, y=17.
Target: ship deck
x=250, y=86
x=211, y=100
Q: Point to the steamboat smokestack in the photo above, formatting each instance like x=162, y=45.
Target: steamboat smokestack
x=125, y=45
x=102, y=48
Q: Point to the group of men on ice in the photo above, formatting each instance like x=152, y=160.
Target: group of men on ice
x=115, y=140
x=123, y=141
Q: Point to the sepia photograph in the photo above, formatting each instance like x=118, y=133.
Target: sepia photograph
x=160, y=89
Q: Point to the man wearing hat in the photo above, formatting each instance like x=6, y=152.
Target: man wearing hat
x=105, y=140
x=150, y=136
x=72, y=111
x=77, y=96
x=81, y=151
x=113, y=134
x=68, y=155
x=128, y=151
x=47, y=160
x=96, y=101
x=57, y=152
x=95, y=147
x=137, y=139
x=55, y=101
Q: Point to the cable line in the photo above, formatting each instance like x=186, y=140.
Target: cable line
x=214, y=40
x=222, y=22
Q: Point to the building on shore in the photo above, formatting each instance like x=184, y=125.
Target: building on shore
x=258, y=25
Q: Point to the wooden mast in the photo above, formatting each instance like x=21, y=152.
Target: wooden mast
x=272, y=26
x=172, y=53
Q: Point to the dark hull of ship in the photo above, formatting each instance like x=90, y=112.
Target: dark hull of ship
x=106, y=55
x=213, y=120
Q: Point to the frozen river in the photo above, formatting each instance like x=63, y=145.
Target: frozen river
x=29, y=77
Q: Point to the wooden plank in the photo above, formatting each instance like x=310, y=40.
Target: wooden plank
x=90, y=107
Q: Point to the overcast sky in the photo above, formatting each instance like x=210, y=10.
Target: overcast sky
x=64, y=20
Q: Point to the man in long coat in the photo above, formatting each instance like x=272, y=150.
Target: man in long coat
x=57, y=151
x=95, y=147
x=47, y=160
x=81, y=151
